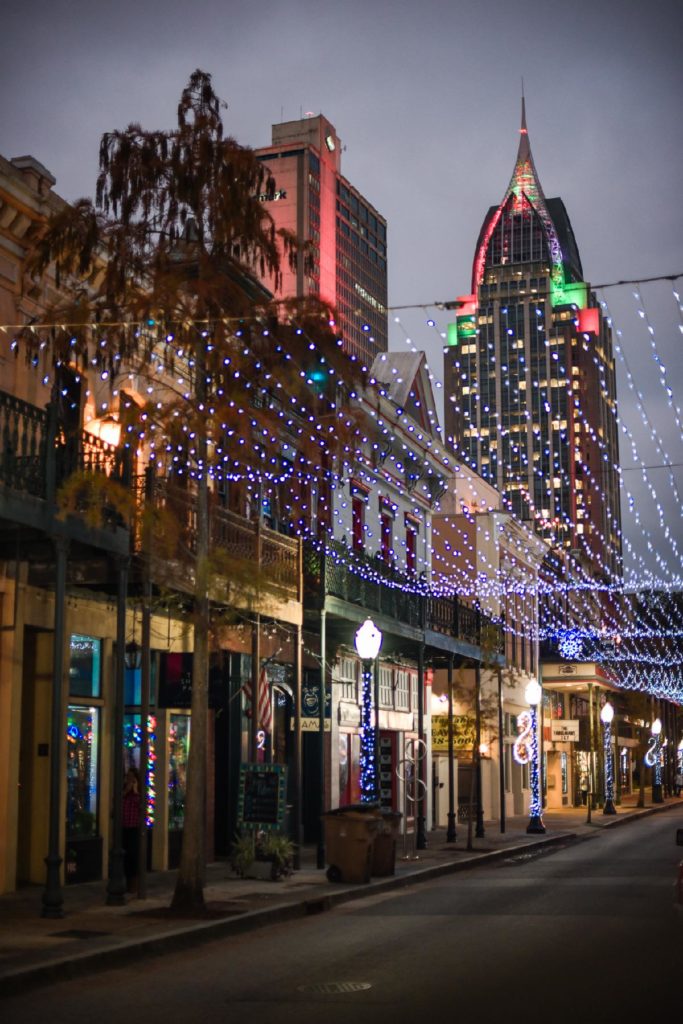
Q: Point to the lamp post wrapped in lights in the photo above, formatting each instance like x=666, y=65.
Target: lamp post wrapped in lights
x=533, y=694
x=656, y=762
x=368, y=643
x=606, y=715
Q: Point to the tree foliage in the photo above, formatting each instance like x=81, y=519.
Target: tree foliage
x=162, y=273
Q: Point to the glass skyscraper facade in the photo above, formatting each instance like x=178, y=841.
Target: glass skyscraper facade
x=529, y=372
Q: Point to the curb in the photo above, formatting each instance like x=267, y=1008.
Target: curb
x=63, y=968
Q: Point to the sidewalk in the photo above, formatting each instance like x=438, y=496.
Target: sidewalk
x=92, y=936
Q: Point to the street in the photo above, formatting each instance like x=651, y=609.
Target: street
x=590, y=929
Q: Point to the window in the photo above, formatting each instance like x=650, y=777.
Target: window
x=387, y=526
x=178, y=753
x=358, y=524
x=82, y=746
x=411, y=545
x=85, y=657
x=347, y=676
x=402, y=689
x=386, y=695
x=132, y=744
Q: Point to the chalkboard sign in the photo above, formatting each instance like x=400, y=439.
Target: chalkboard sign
x=262, y=795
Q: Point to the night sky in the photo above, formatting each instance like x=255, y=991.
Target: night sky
x=426, y=99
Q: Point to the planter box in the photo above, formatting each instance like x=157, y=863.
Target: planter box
x=83, y=862
x=261, y=869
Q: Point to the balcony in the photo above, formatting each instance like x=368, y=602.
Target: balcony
x=251, y=564
x=374, y=586
x=38, y=456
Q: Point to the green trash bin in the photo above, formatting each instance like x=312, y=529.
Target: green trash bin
x=384, y=846
x=349, y=835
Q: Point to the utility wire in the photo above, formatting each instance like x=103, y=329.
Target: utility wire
x=452, y=304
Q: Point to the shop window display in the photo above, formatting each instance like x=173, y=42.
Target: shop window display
x=82, y=735
x=132, y=742
x=178, y=750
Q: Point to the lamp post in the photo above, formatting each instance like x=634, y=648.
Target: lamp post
x=533, y=694
x=606, y=715
x=368, y=642
x=656, y=762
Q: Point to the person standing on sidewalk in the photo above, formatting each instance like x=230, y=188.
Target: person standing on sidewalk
x=678, y=783
x=131, y=824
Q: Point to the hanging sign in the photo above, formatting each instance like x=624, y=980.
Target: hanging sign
x=564, y=731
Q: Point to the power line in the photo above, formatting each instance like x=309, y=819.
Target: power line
x=452, y=304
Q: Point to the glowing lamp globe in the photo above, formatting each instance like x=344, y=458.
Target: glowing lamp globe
x=607, y=713
x=656, y=727
x=533, y=693
x=368, y=640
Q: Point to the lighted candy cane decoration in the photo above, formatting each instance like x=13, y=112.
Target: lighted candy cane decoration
x=653, y=759
x=651, y=752
x=521, y=749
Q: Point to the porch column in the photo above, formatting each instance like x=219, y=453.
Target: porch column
x=421, y=765
x=479, y=830
x=320, y=855
x=450, y=831
x=501, y=750
x=52, y=894
x=116, y=884
x=298, y=760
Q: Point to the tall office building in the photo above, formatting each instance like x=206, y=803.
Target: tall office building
x=347, y=260
x=530, y=379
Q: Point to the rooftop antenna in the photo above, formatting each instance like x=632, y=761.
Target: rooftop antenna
x=523, y=128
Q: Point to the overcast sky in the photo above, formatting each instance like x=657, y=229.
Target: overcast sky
x=426, y=99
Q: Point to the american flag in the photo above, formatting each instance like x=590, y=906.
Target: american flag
x=264, y=709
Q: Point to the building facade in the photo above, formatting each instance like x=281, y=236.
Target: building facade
x=342, y=259
x=530, y=376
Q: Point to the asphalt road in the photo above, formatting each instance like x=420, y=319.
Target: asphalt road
x=588, y=932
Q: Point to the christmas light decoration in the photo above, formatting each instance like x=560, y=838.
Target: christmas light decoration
x=521, y=748
x=533, y=695
x=606, y=716
x=368, y=642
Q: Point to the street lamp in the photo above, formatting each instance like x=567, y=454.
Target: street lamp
x=533, y=694
x=368, y=643
x=655, y=761
x=606, y=715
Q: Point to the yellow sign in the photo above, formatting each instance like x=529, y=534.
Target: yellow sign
x=464, y=732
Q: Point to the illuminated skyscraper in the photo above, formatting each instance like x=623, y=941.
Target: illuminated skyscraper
x=530, y=379
x=347, y=260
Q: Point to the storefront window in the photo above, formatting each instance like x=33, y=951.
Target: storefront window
x=82, y=742
x=133, y=685
x=132, y=742
x=178, y=750
x=84, y=666
x=564, y=772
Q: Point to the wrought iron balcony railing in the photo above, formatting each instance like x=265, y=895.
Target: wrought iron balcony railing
x=37, y=455
x=375, y=586
x=232, y=536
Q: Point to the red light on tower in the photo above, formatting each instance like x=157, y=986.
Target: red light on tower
x=589, y=321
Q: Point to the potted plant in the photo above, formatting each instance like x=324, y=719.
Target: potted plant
x=278, y=850
x=264, y=855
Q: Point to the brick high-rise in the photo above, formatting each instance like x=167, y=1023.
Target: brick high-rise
x=347, y=265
